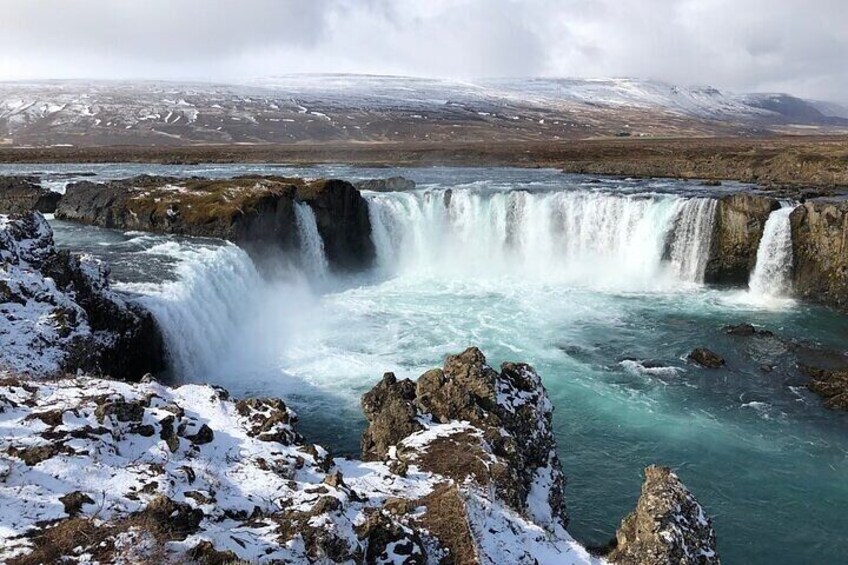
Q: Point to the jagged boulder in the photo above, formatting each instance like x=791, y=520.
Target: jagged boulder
x=667, y=527
x=706, y=358
x=508, y=442
x=830, y=384
x=820, y=252
x=62, y=316
x=739, y=223
x=24, y=194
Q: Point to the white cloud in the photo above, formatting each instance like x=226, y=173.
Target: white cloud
x=740, y=44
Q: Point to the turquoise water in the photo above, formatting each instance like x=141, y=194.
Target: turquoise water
x=760, y=452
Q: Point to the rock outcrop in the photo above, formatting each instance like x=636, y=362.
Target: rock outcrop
x=667, y=527
x=830, y=384
x=739, y=223
x=189, y=473
x=820, y=252
x=105, y=471
x=255, y=212
x=24, y=194
x=59, y=314
x=706, y=358
x=391, y=184
x=508, y=444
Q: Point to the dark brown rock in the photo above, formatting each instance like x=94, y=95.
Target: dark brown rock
x=820, y=252
x=738, y=228
x=667, y=527
x=255, y=212
x=830, y=384
x=706, y=358
x=391, y=184
x=391, y=415
x=74, y=501
x=24, y=194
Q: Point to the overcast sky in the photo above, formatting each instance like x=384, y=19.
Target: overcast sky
x=798, y=46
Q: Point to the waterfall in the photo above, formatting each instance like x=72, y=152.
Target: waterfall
x=585, y=237
x=199, y=309
x=313, y=258
x=691, y=238
x=772, y=272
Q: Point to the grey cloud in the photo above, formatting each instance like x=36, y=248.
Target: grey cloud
x=752, y=45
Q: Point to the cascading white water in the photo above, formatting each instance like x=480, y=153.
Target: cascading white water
x=771, y=276
x=691, y=238
x=312, y=254
x=580, y=236
x=198, y=311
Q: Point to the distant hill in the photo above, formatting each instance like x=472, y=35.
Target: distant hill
x=362, y=108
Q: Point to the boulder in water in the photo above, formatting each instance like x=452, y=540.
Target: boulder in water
x=668, y=526
x=830, y=384
x=706, y=358
x=746, y=330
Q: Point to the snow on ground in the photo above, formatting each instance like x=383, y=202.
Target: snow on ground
x=116, y=448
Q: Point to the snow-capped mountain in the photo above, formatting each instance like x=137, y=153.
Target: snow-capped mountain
x=322, y=108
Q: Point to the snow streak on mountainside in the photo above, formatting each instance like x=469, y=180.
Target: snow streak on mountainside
x=321, y=108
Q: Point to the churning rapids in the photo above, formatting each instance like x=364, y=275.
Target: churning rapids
x=585, y=280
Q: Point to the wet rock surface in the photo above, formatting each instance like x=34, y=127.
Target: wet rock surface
x=739, y=223
x=820, y=252
x=668, y=526
x=61, y=314
x=706, y=358
x=20, y=194
x=830, y=384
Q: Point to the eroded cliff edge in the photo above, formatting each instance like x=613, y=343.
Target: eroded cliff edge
x=60, y=315
x=255, y=212
x=820, y=251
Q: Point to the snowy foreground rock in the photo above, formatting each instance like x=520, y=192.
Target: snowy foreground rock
x=59, y=315
x=463, y=469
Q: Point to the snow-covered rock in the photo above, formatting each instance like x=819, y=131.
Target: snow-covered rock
x=58, y=313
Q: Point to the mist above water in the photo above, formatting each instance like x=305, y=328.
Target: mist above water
x=585, y=282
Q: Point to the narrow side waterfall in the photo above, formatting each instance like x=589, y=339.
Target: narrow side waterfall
x=772, y=273
x=313, y=258
x=586, y=237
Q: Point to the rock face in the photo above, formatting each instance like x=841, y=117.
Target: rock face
x=739, y=224
x=463, y=470
x=60, y=315
x=24, y=194
x=489, y=432
x=254, y=212
x=391, y=184
x=667, y=527
x=145, y=466
x=820, y=250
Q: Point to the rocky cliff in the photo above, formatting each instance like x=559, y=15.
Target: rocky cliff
x=24, y=194
x=254, y=212
x=462, y=470
x=739, y=223
x=668, y=526
x=820, y=251
x=59, y=314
